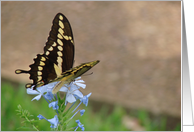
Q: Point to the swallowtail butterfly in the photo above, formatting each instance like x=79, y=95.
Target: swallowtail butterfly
x=55, y=64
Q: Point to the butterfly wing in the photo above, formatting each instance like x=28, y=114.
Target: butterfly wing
x=58, y=54
x=60, y=48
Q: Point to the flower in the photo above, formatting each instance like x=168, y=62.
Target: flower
x=70, y=96
x=49, y=96
x=84, y=100
x=40, y=117
x=40, y=90
x=82, y=112
x=54, y=121
x=54, y=105
x=79, y=125
x=79, y=83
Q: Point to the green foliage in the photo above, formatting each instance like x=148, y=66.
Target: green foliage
x=151, y=125
x=11, y=98
x=28, y=118
x=103, y=121
x=62, y=114
x=100, y=121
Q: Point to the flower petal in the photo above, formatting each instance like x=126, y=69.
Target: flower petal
x=49, y=96
x=78, y=78
x=54, y=105
x=81, y=85
x=37, y=97
x=85, y=99
x=82, y=112
x=64, y=89
x=70, y=98
x=78, y=94
x=31, y=91
x=54, y=122
x=79, y=125
x=79, y=81
x=73, y=88
x=41, y=117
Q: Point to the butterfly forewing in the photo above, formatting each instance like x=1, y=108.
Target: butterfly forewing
x=59, y=47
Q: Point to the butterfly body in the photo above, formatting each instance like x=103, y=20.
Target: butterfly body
x=55, y=64
x=73, y=73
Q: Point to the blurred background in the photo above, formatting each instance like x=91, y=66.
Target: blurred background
x=137, y=83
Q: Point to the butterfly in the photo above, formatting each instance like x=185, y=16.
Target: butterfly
x=56, y=63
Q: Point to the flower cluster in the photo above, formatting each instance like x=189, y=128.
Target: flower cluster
x=60, y=120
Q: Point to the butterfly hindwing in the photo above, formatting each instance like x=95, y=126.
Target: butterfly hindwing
x=41, y=72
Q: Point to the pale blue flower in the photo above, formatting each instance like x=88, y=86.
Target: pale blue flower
x=54, y=105
x=40, y=90
x=41, y=117
x=79, y=125
x=54, y=121
x=49, y=96
x=84, y=100
x=70, y=94
x=79, y=83
x=82, y=112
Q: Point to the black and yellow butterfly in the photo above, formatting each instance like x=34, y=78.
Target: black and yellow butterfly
x=55, y=64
